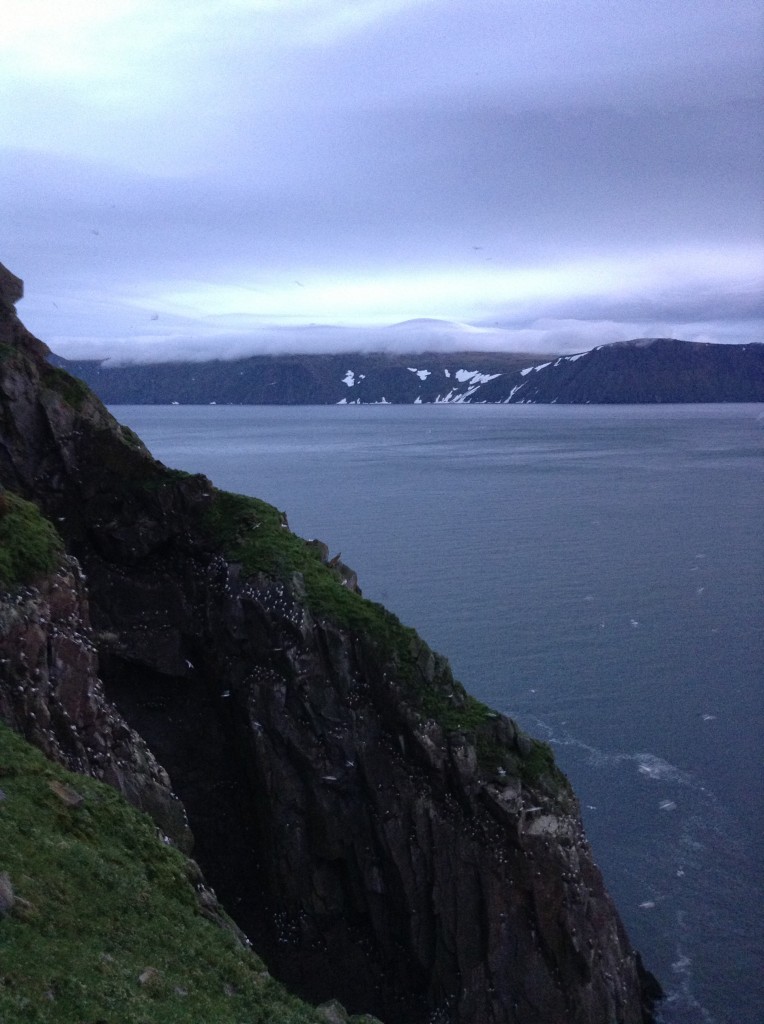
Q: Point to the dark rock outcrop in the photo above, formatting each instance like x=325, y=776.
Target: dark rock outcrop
x=11, y=287
x=379, y=835
x=50, y=692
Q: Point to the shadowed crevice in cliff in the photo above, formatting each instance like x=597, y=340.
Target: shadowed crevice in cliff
x=189, y=729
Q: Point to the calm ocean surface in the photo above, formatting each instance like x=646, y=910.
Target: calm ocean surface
x=598, y=574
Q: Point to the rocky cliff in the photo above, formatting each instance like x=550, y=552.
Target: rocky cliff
x=380, y=835
x=50, y=692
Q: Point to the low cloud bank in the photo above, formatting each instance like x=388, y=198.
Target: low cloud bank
x=176, y=343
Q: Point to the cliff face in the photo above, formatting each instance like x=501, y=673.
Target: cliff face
x=379, y=835
x=51, y=694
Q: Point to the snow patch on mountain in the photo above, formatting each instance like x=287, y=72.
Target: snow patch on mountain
x=475, y=377
x=531, y=369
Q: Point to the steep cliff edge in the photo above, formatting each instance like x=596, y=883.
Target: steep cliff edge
x=380, y=835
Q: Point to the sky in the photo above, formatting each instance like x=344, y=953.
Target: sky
x=224, y=177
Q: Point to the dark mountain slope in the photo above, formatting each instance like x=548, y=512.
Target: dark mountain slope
x=634, y=372
x=649, y=370
x=295, y=380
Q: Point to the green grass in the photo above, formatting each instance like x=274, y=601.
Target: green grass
x=130, y=438
x=71, y=389
x=253, y=533
x=539, y=767
x=99, y=899
x=29, y=544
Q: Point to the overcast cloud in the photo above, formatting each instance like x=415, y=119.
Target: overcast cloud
x=221, y=177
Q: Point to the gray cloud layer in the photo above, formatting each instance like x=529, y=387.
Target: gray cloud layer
x=248, y=174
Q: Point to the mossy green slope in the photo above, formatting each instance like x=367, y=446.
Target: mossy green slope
x=29, y=544
x=254, y=534
x=98, y=919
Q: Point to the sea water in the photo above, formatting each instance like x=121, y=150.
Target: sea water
x=595, y=572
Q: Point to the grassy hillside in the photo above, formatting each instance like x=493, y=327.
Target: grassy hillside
x=99, y=920
x=29, y=544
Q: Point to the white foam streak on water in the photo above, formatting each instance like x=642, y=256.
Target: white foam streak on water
x=650, y=765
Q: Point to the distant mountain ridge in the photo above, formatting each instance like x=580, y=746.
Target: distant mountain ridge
x=645, y=370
